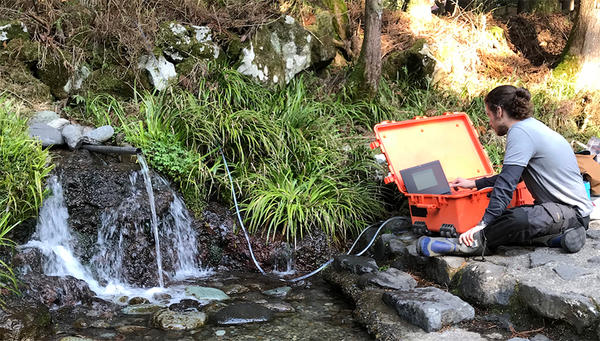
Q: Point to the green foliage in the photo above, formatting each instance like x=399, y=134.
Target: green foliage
x=23, y=168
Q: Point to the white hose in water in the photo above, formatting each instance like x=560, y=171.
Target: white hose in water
x=237, y=211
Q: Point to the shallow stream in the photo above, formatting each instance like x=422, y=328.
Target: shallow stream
x=320, y=313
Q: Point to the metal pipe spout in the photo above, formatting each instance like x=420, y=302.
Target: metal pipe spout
x=111, y=149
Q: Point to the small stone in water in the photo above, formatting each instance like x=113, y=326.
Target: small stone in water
x=138, y=300
x=220, y=332
x=81, y=324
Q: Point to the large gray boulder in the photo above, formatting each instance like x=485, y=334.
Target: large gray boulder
x=389, y=279
x=48, y=135
x=355, y=264
x=429, y=308
x=416, y=65
x=277, y=52
x=578, y=310
x=486, y=284
x=44, y=117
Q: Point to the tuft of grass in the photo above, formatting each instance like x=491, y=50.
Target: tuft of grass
x=23, y=167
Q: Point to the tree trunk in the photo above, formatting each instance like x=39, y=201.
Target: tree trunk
x=367, y=73
x=584, y=45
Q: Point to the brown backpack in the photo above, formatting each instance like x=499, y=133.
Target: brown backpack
x=590, y=169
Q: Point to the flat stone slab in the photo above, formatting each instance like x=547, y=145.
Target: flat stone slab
x=570, y=272
x=206, y=293
x=389, y=279
x=142, y=309
x=429, y=308
x=542, y=257
x=278, y=292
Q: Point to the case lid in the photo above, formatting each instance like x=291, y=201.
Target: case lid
x=450, y=138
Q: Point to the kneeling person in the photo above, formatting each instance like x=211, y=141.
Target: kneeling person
x=547, y=164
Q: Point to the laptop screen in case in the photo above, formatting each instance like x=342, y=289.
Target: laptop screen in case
x=428, y=178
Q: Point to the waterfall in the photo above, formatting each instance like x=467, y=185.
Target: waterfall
x=148, y=181
x=104, y=274
x=54, y=239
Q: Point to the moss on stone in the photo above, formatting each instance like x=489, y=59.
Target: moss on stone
x=19, y=81
x=114, y=80
x=22, y=50
x=13, y=29
x=234, y=48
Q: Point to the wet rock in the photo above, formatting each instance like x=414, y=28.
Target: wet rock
x=278, y=292
x=101, y=134
x=251, y=296
x=389, y=279
x=486, y=284
x=540, y=337
x=295, y=297
x=213, y=307
x=161, y=297
x=81, y=323
x=242, y=313
x=138, y=300
x=56, y=292
x=172, y=320
x=142, y=309
x=206, y=293
x=72, y=134
x=186, y=305
x=122, y=300
x=429, y=308
x=76, y=338
x=235, y=289
x=129, y=329
x=570, y=272
x=24, y=320
x=28, y=260
x=99, y=324
x=355, y=264
x=542, y=257
x=278, y=307
x=578, y=310
x=48, y=135
x=43, y=117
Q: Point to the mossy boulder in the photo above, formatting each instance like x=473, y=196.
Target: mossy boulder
x=13, y=29
x=277, y=52
x=179, y=42
x=115, y=80
x=23, y=50
x=56, y=75
x=415, y=65
x=25, y=320
x=323, y=49
x=18, y=79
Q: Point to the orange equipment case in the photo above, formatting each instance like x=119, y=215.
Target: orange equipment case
x=451, y=139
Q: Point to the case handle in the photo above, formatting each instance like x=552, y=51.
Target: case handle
x=426, y=206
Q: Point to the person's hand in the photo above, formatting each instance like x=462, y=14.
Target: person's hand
x=467, y=236
x=462, y=183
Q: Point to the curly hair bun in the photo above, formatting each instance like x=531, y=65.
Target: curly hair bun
x=523, y=93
